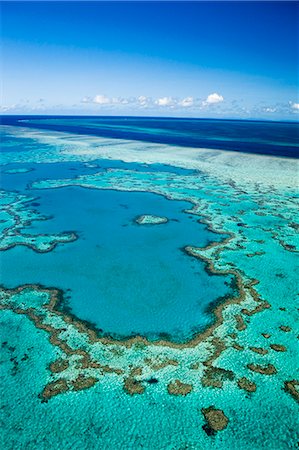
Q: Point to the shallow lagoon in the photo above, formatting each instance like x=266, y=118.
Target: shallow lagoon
x=124, y=277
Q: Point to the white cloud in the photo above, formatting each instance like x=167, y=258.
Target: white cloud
x=213, y=98
x=123, y=101
x=86, y=100
x=186, y=102
x=147, y=102
x=142, y=100
x=295, y=106
x=101, y=99
x=165, y=101
x=8, y=108
x=270, y=110
x=114, y=100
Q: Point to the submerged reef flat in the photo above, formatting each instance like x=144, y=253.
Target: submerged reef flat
x=148, y=219
x=224, y=165
x=233, y=384
x=17, y=170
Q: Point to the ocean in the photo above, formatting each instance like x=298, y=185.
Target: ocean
x=148, y=283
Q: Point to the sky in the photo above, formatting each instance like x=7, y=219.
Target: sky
x=183, y=59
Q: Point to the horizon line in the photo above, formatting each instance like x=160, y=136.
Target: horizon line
x=148, y=117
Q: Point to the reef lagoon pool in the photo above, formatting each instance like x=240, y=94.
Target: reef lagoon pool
x=126, y=278
x=149, y=275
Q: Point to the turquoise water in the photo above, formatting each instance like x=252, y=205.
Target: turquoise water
x=161, y=281
x=104, y=417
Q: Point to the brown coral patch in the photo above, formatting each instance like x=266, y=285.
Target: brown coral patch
x=246, y=384
x=285, y=328
x=59, y=365
x=240, y=323
x=107, y=369
x=290, y=387
x=133, y=386
x=263, y=305
x=215, y=376
x=288, y=247
x=178, y=388
x=259, y=350
x=269, y=369
x=251, y=255
x=215, y=418
x=266, y=335
x=136, y=371
x=83, y=382
x=219, y=347
x=237, y=346
x=278, y=347
x=54, y=388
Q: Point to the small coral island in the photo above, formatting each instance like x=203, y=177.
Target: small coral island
x=148, y=219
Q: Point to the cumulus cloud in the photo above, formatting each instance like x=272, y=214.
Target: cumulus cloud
x=270, y=110
x=86, y=100
x=213, y=98
x=140, y=101
x=23, y=105
x=101, y=100
x=5, y=108
x=143, y=101
x=295, y=106
x=165, y=101
x=186, y=102
x=122, y=101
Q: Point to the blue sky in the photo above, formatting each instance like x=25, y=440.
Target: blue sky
x=199, y=59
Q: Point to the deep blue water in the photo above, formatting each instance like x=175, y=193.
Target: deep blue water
x=261, y=137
